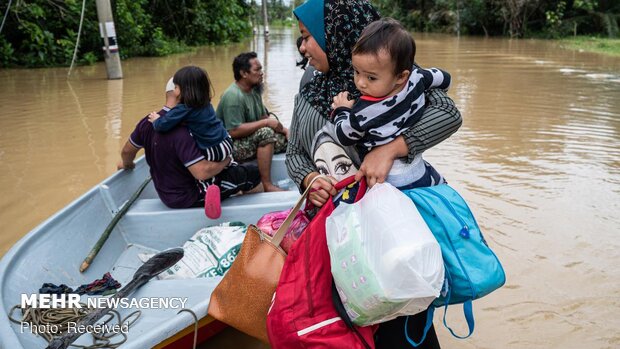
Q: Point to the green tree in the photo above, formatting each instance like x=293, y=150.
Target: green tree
x=40, y=33
x=605, y=14
x=278, y=10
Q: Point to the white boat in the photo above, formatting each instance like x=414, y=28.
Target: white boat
x=54, y=250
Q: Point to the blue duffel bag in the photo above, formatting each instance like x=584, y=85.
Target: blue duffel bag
x=472, y=270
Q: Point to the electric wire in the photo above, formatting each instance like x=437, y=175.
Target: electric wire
x=6, y=14
x=77, y=42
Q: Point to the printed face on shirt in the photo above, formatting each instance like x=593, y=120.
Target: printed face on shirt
x=374, y=76
x=311, y=50
x=331, y=160
x=255, y=75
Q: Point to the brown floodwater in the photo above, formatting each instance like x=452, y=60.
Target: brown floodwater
x=537, y=158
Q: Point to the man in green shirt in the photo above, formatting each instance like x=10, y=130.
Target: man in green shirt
x=255, y=134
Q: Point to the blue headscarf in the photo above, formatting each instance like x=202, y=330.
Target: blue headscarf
x=310, y=13
x=336, y=29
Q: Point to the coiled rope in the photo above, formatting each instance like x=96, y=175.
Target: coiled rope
x=58, y=319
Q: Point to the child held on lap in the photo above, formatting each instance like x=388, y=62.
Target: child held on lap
x=193, y=90
x=392, y=100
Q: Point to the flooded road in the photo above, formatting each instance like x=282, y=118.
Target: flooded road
x=537, y=159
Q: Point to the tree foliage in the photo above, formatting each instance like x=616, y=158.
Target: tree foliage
x=513, y=18
x=39, y=33
x=278, y=12
x=43, y=32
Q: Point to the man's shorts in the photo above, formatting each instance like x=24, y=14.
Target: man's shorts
x=244, y=149
x=235, y=178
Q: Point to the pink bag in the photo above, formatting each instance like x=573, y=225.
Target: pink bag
x=270, y=222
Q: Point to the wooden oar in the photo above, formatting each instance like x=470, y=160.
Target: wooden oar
x=106, y=233
x=152, y=267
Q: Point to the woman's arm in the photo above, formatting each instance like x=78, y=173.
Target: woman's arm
x=439, y=121
x=298, y=163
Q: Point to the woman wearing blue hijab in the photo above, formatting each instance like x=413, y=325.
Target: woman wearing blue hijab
x=329, y=30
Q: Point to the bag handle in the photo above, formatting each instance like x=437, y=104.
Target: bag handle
x=279, y=235
x=350, y=180
x=429, y=321
x=468, y=312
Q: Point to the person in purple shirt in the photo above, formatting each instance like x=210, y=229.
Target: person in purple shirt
x=180, y=172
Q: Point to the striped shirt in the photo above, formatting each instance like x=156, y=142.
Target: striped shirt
x=220, y=151
x=438, y=122
x=374, y=121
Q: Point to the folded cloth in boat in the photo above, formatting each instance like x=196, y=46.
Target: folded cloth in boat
x=99, y=286
x=104, y=286
x=49, y=288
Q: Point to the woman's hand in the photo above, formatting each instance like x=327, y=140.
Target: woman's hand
x=322, y=189
x=377, y=164
x=342, y=100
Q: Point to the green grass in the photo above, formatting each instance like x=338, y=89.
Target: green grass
x=593, y=44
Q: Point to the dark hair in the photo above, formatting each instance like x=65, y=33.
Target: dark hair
x=389, y=35
x=195, y=86
x=304, y=60
x=242, y=63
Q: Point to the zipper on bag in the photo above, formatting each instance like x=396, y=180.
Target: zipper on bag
x=465, y=229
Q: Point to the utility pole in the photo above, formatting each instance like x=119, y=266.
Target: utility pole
x=108, y=33
x=254, y=19
x=265, y=19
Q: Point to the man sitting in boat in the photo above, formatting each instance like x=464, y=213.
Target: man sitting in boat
x=179, y=170
x=255, y=134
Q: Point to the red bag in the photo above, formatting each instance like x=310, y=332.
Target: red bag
x=303, y=314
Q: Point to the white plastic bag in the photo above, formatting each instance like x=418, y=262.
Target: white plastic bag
x=384, y=259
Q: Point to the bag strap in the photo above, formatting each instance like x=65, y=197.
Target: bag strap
x=350, y=180
x=467, y=308
x=361, y=338
x=468, y=311
x=469, y=317
x=279, y=235
x=429, y=321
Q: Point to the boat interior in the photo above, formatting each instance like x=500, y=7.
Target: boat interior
x=54, y=251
